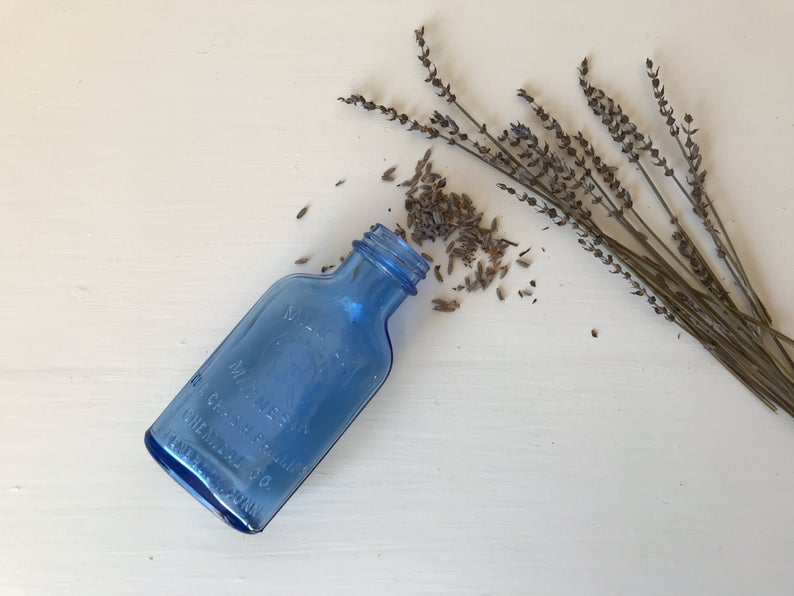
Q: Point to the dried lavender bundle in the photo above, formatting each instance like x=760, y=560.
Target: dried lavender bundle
x=570, y=184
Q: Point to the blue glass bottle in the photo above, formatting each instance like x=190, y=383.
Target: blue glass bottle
x=274, y=397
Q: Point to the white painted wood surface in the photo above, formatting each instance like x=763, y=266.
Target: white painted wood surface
x=152, y=159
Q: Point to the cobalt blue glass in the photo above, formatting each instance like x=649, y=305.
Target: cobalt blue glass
x=274, y=397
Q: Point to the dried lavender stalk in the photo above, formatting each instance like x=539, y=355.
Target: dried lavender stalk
x=701, y=204
x=625, y=132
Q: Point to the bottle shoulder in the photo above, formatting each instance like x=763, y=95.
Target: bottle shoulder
x=322, y=301
x=301, y=318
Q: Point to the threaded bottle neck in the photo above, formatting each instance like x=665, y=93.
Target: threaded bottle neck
x=393, y=256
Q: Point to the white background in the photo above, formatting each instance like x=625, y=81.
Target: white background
x=152, y=159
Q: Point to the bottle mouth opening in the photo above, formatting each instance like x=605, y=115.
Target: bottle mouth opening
x=393, y=254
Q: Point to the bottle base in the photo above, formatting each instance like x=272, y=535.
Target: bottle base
x=194, y=485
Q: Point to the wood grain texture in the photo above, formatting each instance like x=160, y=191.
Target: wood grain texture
x=152, y=160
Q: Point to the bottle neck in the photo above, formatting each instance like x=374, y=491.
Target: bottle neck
x=370, y=286
x=382, y=270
